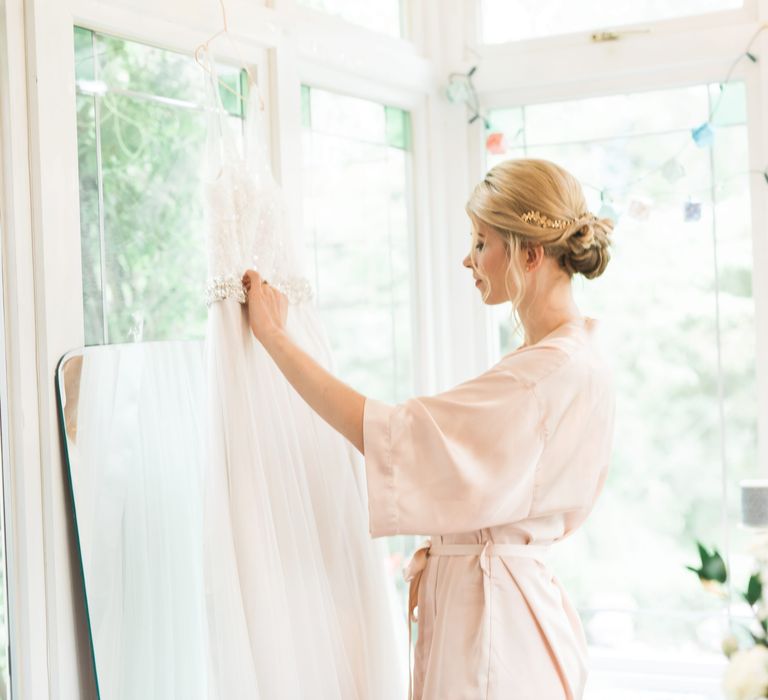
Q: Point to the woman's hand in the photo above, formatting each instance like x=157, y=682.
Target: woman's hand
x=267, y=307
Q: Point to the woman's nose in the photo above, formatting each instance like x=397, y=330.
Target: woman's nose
x=466, y=262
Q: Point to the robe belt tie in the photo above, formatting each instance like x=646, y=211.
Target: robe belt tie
x=413, y=570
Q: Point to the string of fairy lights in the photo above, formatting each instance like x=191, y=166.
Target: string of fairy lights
x=461, y=89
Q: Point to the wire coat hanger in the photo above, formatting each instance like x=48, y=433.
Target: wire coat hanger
x=204, y=49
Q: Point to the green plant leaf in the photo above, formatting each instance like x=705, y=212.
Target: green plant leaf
x=754, y=589
x=712, y=565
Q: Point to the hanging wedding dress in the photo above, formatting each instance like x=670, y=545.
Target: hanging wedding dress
x=299, y=604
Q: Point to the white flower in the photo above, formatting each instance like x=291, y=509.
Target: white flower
x=730, y=645
x=746, y=677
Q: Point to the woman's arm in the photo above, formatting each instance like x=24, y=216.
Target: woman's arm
x=334, y=401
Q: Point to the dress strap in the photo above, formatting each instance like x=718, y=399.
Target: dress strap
x=222, y=145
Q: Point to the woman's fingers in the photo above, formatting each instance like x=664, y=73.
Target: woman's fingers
x=252, y=280
x=251, y=277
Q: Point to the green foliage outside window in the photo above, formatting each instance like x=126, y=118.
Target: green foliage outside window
x=141, y=134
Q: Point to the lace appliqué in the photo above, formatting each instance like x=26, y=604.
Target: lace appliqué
x=297, y=289
x=227, y=287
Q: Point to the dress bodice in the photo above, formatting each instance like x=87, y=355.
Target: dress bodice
x=246, y=216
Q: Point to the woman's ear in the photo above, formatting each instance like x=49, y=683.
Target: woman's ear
x=534, y=254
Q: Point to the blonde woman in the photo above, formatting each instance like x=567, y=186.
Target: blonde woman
x=498, y=468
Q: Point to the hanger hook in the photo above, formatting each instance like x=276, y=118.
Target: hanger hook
x=204, y=48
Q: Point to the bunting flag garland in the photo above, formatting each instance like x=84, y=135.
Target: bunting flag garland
x=496, y=143
x=672, y=170
x=461, y=89
x=639, y=209
x=692, y=211
x=703, y=135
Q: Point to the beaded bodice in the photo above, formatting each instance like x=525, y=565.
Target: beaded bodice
x=246, y=215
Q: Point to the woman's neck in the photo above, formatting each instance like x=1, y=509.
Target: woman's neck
x=541, y=322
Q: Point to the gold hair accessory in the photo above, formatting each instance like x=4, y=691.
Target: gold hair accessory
x=541, y=220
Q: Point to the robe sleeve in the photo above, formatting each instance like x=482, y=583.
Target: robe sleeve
x=458, y=461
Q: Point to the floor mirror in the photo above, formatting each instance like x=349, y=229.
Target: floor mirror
x=133, y=420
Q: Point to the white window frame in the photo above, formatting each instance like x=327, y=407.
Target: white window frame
x=41, y=266
x=676, y=53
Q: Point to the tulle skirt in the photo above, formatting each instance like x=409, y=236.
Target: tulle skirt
x=298, y=601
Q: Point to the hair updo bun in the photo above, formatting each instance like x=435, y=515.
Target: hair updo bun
x=588, y=242
x=531, y=202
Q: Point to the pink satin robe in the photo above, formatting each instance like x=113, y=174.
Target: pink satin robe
x=517, y=455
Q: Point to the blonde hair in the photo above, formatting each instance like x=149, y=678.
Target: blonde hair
x=532, y=201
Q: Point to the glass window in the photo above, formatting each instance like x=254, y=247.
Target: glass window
x=356, y=184
x=383, y=16
x=357, y=203
x=141, y=133
x=662, y=324
x=528, y=19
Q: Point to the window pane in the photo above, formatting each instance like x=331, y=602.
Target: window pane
x=378, y=15
x=527, y=19
x=141, y=133
x=356, y=174
x=657, y=300
x=356, y=208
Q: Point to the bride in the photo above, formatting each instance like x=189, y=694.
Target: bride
x=499, y=467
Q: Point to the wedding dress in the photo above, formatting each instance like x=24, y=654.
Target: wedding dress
x=299, y=604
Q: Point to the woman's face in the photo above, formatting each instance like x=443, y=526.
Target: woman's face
x=491, y=259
